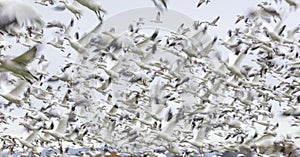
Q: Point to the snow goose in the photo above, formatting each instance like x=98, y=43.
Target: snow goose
x=28, y=141
x=213, y=22
x=94, y=6
x=18, y=65
x=157, y=18
x=161, y=4
x=79, y=45
x=201, y=2
x=268, y=10
x=235, y=68
x=59, y=132
x=73, y=7
x=14, y=95
x=16, y=13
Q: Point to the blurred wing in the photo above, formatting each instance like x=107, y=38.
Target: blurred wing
x=164, y=2
x=86, y=38
x=26, y=57
x=240, y=58
x=76, y=4
x=62, y=125
x=32, y=136
x=215, y=20
x=18, y=89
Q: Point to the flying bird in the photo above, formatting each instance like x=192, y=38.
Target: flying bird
x=157, y=18
x=18, y=65
x=292, y=3
x=93, y=5
x=73, y=7
x=16, y=13
x=160, y=4
x=213, y=22
x=201, y=2
x=14, y=96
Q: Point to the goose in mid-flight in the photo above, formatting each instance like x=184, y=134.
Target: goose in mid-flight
x=18, y=65
x=16, y=13
x=201, y=2
x=161, y=4
x=94, y=6
x=213, y=22
x=29, y=140
x=59, y=132
x=235, y=67
x=267, y=10
x=79, y=44
x=13, y=96
x=73, y=7
x=157, y=18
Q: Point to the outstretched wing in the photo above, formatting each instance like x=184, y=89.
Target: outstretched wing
x=26, y=57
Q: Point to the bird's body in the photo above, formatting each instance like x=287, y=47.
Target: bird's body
x=76, y=45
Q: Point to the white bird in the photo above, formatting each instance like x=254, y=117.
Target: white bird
x=28, y=141
x=239, y=18
x=124, y=42
x=56, y=24
x=73, y=7
x=60, y=131
x=112, y=74
x=139, y=22
x=267, y=10
x=167, y=131
x=79, y=45
x=235, y=67
x=198, y=137
x=45, y=2
x=140, y=76
x=213, y=22
x=93, y=5
x=18, y=65
x=14, y=95
x=271, y=34
x=57, y=43
x=17, y=13
x=157, y=18
x=76, y=45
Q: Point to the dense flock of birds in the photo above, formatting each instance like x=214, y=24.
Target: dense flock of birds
x=179, y=93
